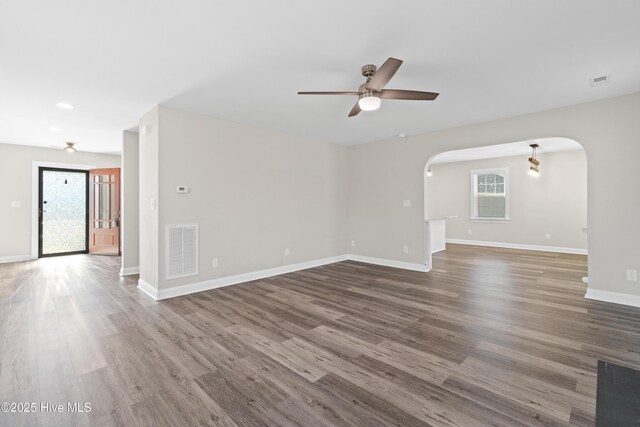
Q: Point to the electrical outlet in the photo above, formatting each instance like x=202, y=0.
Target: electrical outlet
x=286, y=251
x=214, y=263
x=407, y=203
x=632, y=275
x=547, y=236
x=405, y=249
x=353, y=243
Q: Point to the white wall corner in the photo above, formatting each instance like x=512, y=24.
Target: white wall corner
x=15, y=258
x=129, y=271
x=613, y=297
x=148, y=289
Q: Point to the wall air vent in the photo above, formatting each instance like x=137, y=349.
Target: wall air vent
x=182, y=251
x=599, y=81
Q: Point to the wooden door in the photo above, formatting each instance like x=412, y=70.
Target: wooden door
x=104, y=211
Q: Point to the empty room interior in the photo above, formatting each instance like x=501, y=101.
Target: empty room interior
x=320, y=214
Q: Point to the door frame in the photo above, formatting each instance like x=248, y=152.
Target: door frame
x=35, y=185
x=43, y=169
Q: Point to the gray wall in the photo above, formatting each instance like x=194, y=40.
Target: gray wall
x=254, y=192
x=554, y=203
x=130, y=175
x=382, y=174
x=16, y=177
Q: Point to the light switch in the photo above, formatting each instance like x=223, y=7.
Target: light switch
x=182, y=189
x=153, y=203
x=16, y=204
x=407, y=203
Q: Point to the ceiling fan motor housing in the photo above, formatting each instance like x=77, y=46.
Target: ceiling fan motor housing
x=369, y=70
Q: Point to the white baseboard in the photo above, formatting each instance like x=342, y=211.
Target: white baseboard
x=233, y=280
x=148, y=289
x=262, y=274
x=15, y=258
x=614, y=297
x=557, y=249
x=389, y=263
x=129, y=271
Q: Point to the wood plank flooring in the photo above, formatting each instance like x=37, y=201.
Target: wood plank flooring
x=489, y=337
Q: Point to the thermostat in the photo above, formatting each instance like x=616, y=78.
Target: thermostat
x=182, y=189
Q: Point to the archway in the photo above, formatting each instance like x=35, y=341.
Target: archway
x=485, y=196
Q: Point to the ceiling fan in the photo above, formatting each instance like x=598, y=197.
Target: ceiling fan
x=371, y=93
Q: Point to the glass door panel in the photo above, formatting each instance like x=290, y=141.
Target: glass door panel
x=104, y=232
x=63, y=211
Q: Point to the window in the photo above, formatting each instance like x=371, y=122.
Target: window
x=490, y=194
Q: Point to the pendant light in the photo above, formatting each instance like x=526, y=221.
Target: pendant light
x=534, y=169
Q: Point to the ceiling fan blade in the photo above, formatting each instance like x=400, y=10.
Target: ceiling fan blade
x=355, y=110
x=328, y=93
x=408, y=94
x=384, y=74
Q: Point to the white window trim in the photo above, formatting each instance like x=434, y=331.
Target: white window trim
x=474, y=195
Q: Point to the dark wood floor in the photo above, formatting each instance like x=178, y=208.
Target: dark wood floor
x=489, y=337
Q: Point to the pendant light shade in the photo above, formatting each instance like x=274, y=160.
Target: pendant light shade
x=534, y=168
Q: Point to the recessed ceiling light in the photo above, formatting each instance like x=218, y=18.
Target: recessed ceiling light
x=64, y=105
x=55, y=129
x=402, y=135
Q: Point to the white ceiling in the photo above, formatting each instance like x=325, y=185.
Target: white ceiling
x=245, y=61
x=522, y=148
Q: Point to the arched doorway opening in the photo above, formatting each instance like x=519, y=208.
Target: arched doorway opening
x=491, y=197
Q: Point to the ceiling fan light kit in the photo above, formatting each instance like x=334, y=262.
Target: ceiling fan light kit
x=371, y=93
x=369, y=101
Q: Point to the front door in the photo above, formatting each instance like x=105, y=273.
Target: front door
x=62, y=210
x=104, y=211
